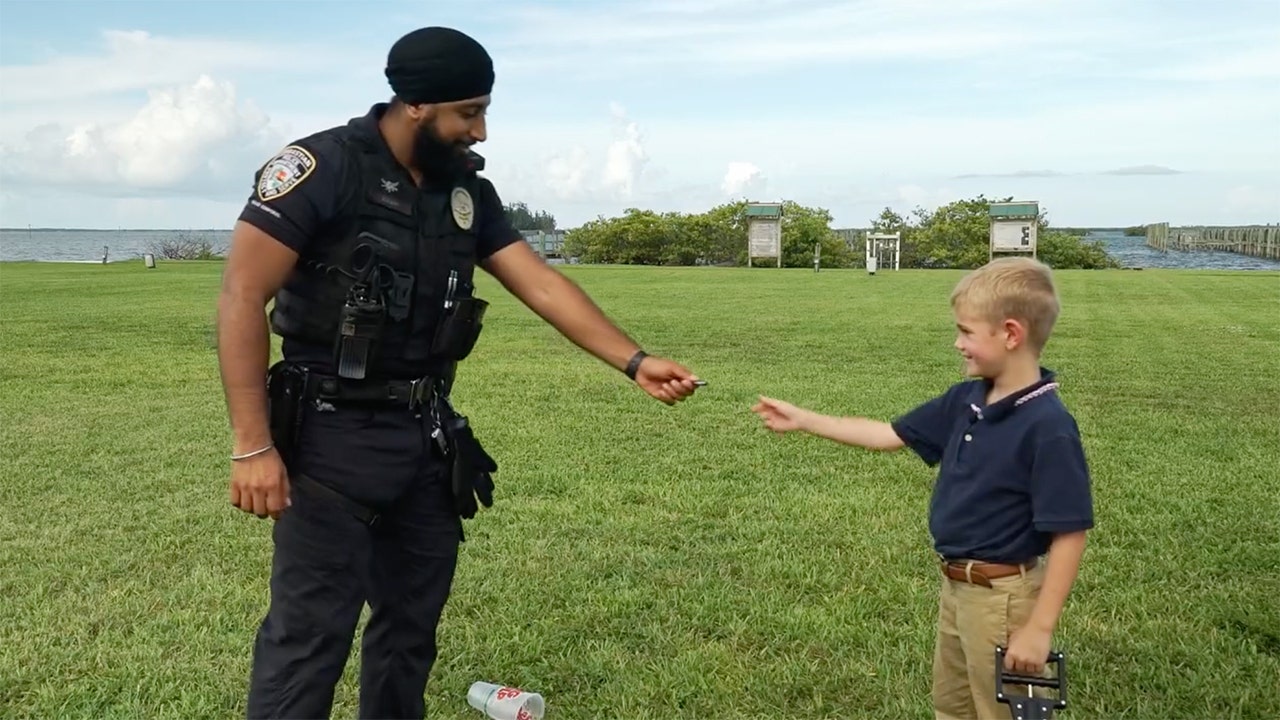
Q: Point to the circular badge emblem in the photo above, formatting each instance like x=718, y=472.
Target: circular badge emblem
x=463, y=207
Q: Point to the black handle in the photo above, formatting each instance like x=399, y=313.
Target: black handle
x=1044, y=705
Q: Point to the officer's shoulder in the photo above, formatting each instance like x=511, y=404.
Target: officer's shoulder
x=323, y=146
x=300, y=162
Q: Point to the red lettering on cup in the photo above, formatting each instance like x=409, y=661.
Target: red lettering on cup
x=507, y=692
x=524, y=714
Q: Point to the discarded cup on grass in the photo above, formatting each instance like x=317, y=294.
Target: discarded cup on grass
x=500, y=702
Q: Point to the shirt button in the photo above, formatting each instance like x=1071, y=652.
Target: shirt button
x=968, y=438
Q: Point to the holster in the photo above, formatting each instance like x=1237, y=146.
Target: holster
x=459, y=329
x=470, y=466
x=286, y=386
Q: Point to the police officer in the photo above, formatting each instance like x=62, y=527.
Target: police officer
x=366, y=236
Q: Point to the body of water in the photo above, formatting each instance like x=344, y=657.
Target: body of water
x=126, y=245
x=89, y=245
x=1133, y=252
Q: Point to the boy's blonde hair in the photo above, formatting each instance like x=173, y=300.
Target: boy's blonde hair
x=1019, y=288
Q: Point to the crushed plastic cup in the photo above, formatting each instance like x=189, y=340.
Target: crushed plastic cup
x=502, y=702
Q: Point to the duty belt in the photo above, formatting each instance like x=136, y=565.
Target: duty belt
x=410, y=393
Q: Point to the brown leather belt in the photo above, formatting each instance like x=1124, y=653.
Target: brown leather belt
x=982, y=573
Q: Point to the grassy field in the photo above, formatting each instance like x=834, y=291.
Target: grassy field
x=645, y=561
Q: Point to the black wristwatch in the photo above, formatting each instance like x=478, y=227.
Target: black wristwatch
x=634, y=364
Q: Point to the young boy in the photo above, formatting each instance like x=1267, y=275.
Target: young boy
x=1013, y=484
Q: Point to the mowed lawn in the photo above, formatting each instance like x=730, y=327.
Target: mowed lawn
x=645, y=561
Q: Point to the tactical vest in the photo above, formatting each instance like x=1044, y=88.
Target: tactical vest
x=404, y=244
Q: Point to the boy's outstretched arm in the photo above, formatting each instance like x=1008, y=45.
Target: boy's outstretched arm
x=1029, y=645
x=780, y=416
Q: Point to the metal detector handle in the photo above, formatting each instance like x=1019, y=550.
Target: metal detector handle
x=1026, y=707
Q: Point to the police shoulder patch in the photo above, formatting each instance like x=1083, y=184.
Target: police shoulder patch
x=284, y=172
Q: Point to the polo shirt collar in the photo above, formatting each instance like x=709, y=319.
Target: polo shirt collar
x=1006, y=405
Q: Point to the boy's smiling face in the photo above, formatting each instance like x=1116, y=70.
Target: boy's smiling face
x=984, y=346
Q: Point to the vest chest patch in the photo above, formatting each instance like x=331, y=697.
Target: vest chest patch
x=390, y=200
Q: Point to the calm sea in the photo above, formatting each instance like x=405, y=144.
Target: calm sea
x=124, y=245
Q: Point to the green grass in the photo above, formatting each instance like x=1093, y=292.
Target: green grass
x=645, y=561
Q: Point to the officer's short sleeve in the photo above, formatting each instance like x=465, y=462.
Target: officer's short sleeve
x=297, y=191
x=1061, y=499
x=494, y=231
x=926, y=428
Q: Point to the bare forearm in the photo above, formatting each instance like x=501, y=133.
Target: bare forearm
x=243, y=347
x=857, y=431
x=1063, y=565
x=566, y=307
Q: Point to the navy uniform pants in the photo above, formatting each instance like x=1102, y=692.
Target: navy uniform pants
x=328, y=563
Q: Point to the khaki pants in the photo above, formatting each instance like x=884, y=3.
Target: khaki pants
x=972, y=621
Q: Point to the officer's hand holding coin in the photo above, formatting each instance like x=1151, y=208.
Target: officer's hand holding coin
x=260, y=483
x=666, y=380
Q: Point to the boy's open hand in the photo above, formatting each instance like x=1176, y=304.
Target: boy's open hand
x=778, y=415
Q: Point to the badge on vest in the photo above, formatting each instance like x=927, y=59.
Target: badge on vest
x=463, y=208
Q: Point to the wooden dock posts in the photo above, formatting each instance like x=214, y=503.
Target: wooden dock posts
x=1260, y=241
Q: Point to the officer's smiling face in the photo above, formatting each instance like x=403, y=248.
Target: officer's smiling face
x=462, y=123
x=445, y=132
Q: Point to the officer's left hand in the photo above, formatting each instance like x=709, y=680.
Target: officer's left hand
x=665, y=380
x=1028, y=651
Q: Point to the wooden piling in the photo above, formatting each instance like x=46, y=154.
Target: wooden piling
x=1260, y=241
x=1158, y=236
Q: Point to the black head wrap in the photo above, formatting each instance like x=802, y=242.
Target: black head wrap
x=437, y=64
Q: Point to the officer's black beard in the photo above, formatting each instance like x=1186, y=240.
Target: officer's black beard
x=437, y=160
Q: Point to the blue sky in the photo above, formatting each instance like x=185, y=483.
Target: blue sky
x=155, y=114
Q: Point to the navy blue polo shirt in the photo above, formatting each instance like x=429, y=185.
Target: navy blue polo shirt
x=1012, y=473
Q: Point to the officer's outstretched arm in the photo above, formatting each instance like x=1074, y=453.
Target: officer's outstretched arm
x=257, y=265
x=561, y=302
x=558, y=300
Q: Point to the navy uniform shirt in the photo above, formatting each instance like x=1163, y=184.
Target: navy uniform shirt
x=1012, y=473
x=297, y=197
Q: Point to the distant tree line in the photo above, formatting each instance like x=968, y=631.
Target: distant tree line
x=715, y=237
x=958, y=235
x=955, y=235
x=523, y=219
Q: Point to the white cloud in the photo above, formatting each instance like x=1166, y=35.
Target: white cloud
x=567, y=172
x=626, y=156
x=138, y=60
x=743, y=180
x=612, y=173
x=199, y=139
